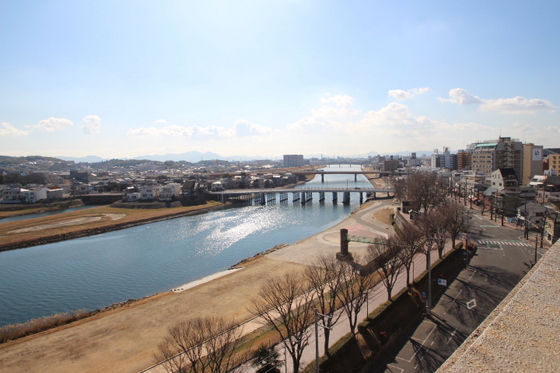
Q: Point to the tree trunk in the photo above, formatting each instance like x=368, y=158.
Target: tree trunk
x=326, y=343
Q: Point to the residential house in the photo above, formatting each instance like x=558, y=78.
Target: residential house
x=504, y=179
x=55, y=193
x=170, y=192
x=534, y=213
x=149, y=193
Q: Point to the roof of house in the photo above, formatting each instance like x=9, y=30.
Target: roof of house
x=506, y=172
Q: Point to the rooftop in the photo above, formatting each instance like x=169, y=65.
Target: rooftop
x=521, y=334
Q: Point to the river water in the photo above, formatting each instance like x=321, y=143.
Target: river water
x=94, y=272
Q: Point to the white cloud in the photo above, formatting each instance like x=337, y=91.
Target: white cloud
x=92, y=123
x=461, y=97
x=243, y=127
x=380, y=130
x=240, y=128
x=401, y=94
x=53, y=124
x=553, y=129
x=518, y=105
x=160, y=121
x=338, y=100
x=7, y=130
x=515, y=105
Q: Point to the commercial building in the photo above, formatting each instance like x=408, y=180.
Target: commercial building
x=532, y=162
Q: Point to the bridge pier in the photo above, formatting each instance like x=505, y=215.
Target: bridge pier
x=262, y=199
x=334, y=197
x=306, y=197
x=283, y=197
x=361, y=198
x=355, y=177
x=346, y=198
x=322, y=178
x=296, y=197
x=271, y=198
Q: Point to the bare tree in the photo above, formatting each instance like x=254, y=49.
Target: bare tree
x=428, y=226
x=353, y=293
x=199, y=345
x=388, y=256
x=426, y=190
x=441, y=234
x=286, y=304
x=455, y=217
x=326, y=280
x=412, y=241
x=400, y=186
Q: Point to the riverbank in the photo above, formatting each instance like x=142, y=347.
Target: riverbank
x=12, y=210
x=124, y=339
x=97, y=220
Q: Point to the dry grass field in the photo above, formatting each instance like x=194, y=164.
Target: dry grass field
x=85, y=222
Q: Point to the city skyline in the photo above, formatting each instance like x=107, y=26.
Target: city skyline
x=250, y=78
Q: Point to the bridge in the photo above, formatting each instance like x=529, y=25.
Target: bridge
x=304, y=195
x=355, y=173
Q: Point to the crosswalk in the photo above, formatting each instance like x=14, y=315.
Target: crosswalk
x=491, y=243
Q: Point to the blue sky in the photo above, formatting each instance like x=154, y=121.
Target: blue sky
x=264, y=78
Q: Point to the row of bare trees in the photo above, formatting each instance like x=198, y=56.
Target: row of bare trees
x=287, y=304
x=329, y=287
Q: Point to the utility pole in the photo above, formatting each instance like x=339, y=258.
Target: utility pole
x=429, y=302
x=317, y=314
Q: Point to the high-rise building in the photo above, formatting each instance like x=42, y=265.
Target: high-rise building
x=532, y=162
x=505, y=152
x=445, y=160
x=293, y=160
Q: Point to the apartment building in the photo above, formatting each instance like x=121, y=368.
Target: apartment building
x=505, y=152
x=293, y=160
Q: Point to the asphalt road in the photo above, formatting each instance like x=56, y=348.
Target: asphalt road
x=500, y=262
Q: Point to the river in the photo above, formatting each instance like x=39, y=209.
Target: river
x=97, y=271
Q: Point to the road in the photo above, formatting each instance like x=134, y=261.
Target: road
x=500, y=262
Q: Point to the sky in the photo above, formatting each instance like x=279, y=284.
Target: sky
x=122, y=79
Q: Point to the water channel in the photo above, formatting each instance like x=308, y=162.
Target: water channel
x=94, y=272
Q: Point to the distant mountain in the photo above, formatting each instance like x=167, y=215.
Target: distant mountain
x=192, y=156
x=88, y=159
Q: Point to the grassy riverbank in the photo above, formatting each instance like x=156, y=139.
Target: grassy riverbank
x=31, y=232
x=11, y=210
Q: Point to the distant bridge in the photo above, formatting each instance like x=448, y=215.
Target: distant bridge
x=303, y=195
x=355, y=173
